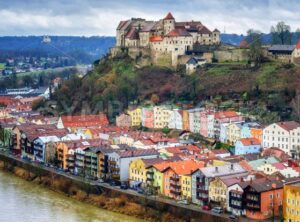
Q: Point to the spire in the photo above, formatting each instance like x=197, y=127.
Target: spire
x=169, y=16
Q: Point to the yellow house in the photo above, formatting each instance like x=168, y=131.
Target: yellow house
x=161, y=116
x=234, y=132
x=140, y=170
x=217, y=192
x=136, y=116
x=291, y=202
x=186, y=186
x=137, y=171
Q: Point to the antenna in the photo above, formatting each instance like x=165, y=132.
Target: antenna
x=224, y=29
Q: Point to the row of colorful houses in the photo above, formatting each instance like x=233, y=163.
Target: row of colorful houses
x=227, y=127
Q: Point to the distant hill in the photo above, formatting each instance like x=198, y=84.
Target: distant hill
x=82, y=49
x=235, y=39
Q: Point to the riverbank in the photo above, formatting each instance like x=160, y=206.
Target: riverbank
x=35, y=203
x=104, y=196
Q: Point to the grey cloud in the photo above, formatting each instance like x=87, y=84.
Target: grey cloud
x=100, y=17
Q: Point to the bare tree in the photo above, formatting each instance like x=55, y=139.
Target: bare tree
x=281, y=34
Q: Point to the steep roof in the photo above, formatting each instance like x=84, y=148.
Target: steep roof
x=132, y=34
x=169, y=16
x=178, y=32
x=204, y=30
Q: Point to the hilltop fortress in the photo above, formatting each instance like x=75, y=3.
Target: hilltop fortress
x=164, y=42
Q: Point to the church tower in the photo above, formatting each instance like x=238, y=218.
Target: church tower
x=169, y=23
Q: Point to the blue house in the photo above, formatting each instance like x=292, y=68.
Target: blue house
x=246, y=146
x=246, y=129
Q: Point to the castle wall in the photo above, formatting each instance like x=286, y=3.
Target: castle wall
x=235, y=55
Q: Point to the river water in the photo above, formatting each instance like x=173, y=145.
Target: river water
x=22, y=201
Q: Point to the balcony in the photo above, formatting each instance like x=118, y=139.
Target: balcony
x=253, y=207
x=199, y=183
x=149, y=179
x=175, y=192
x=175, y=185
x=70, y=160
x=150, y=172
x=176, y=179
x=202, y=190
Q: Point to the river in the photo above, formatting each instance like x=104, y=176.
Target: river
x=22, y=201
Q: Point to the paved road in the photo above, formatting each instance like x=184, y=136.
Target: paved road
x=129, y=191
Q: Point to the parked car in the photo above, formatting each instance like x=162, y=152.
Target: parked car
x=233, y=217
x=100, y=181
x=124, y=186
x=185, y=202
x=140, y=191
x=112, y=183
x=206, y=207
x=217, y=210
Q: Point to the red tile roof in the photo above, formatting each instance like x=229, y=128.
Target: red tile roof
x=178, y=32
x=225, y=114
x=249, y=141
x=298, y=45
x=156, y=39
x=169, y=16
x=85, y=121
x=186, y=167
x=289, y=125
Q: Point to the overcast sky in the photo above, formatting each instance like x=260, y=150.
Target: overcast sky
x=100, y=17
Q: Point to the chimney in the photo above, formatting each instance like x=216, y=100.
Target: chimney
x=251, y=180
x=274, y=185
x=231, y=166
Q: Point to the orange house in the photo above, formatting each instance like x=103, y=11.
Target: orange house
x=176, y=173
x=263, y=199
x=257, y=133
x=185, y=120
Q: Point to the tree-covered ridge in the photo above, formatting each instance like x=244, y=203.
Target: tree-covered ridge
x=82, y=49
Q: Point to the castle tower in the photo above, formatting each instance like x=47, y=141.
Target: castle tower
x=169, y=23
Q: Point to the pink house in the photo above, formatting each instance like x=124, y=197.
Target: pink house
x=148, y=117
x=204, y=123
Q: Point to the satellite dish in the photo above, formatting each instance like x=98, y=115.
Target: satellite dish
x=46, y=39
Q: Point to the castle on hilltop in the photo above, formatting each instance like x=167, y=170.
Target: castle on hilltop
x=165, y=38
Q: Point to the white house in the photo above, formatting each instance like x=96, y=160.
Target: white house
x=176, y=121
x=284, y=135
x=123, y=158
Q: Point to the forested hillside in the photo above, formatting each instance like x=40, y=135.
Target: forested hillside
x=269, y=91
